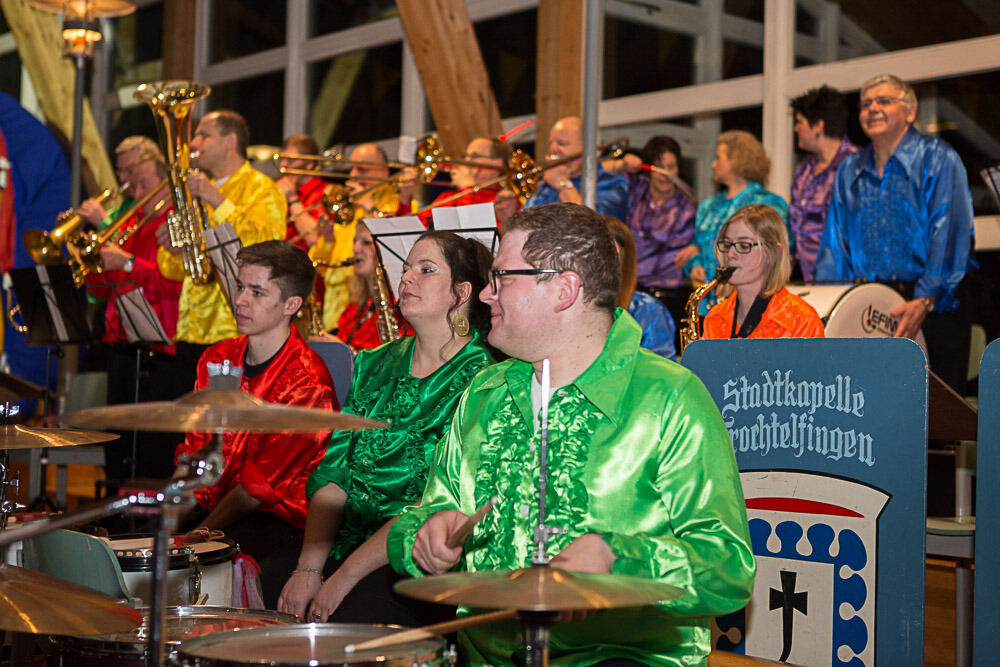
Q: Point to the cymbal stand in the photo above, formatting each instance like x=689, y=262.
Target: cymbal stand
x=536, y=623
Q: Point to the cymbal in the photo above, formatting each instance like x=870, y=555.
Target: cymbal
x=539, y=588
x=42, y=604
x=24, y=437
x=98, y=8
x=217, y=411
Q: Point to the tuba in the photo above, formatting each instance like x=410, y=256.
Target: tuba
x=689, y=325
x=171, y=103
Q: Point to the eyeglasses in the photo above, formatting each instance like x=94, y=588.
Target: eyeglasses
x=496, y=273
x=881, y=100
x=742, y=247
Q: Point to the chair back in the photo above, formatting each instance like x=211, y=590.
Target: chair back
x=339, y=359
x=77, y=557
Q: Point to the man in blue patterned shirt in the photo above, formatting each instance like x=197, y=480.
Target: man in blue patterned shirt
x=902, y=214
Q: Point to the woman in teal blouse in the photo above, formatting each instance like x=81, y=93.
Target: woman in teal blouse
x=367, y=477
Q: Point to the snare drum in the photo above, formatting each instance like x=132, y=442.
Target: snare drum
x=135, y=557
x=313, y=644
x=855, y=311
x=215, y=569
x=128, y=649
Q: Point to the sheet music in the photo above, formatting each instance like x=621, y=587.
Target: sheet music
x=395, y=238
x=136, y=314
x=222, y=244
x=473, y=221
x=50, y=302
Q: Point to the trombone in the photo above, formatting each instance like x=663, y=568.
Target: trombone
x=428, y=159
x=522, y=174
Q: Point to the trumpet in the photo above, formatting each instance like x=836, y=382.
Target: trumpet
x=85, y=249
x=46, y=247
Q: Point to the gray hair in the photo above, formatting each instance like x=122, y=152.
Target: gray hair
x=907, y=95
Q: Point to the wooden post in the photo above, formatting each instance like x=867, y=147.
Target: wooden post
x=559, y=78
x=178, y=39
x=452, y=71
x=38, y=36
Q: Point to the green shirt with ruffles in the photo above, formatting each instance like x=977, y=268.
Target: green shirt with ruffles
x=638, y=454
x=384, y=470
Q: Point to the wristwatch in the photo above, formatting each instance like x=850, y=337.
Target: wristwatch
x=928, y=302
x=129, y=264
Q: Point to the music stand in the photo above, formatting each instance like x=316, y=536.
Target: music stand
x=222, y=244
x=53, y=316
x=473, y=221
x=141, y=327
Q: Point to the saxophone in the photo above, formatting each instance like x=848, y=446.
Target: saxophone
x=689, y=325
x=385, y=323
x=171, y=103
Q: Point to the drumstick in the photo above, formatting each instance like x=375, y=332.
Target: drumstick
x=429, y=631
x=465, y=531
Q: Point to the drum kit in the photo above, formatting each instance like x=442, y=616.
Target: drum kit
x=201, y=635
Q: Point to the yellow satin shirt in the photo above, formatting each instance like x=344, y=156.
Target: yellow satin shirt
x=256, y=208
x=340, y=248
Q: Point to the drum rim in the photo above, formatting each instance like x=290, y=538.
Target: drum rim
x=186, y=647
x=220, y=555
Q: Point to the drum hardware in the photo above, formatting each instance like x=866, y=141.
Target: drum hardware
x=210, y=410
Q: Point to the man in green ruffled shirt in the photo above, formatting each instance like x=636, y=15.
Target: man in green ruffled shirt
x=641, y=471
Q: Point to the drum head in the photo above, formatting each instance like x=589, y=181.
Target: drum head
x=135, y=553
x=214, y=551
x=313, y=644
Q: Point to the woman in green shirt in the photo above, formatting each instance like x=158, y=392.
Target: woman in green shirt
x=367, y=477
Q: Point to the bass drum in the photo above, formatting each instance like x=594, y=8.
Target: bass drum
x=129, y=649
x=312, y=644
x=855, y=311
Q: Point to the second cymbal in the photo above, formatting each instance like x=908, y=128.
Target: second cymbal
x=539, y=588
x=217, y=411
x=16, y=436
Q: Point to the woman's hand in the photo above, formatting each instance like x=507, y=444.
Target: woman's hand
x=698, y=274
x=330, y=595
x=298, y=593
x=684, y=255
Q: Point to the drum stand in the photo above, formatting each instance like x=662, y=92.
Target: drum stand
x=171, y=504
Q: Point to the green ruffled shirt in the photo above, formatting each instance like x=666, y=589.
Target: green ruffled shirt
x=638, y=453
x=384, y=470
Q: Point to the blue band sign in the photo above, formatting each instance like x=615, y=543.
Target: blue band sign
x=830, y=439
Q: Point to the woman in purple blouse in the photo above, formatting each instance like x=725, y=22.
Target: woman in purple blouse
x=661, y=218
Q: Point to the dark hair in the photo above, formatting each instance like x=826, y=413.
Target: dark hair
x=571, y=237
x=469, y=262
x=290, y=266
x=229, y=122
x=824, y=104
x=626, y=245
x=499, y=150
x=302, y=143
x=658, y=145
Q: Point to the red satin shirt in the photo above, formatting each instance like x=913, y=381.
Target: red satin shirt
x=271, y=467
x=363, y=334
x=161, y=292
x=482, y=197
x=786, y=316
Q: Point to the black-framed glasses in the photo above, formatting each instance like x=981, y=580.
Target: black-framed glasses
x=742, y=247
x=881, y=100
x=496, y=273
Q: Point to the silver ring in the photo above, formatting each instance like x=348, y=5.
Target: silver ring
x=316, y=615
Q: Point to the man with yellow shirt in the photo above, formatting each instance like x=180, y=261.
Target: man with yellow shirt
x=235, y=193
x=336, y=242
